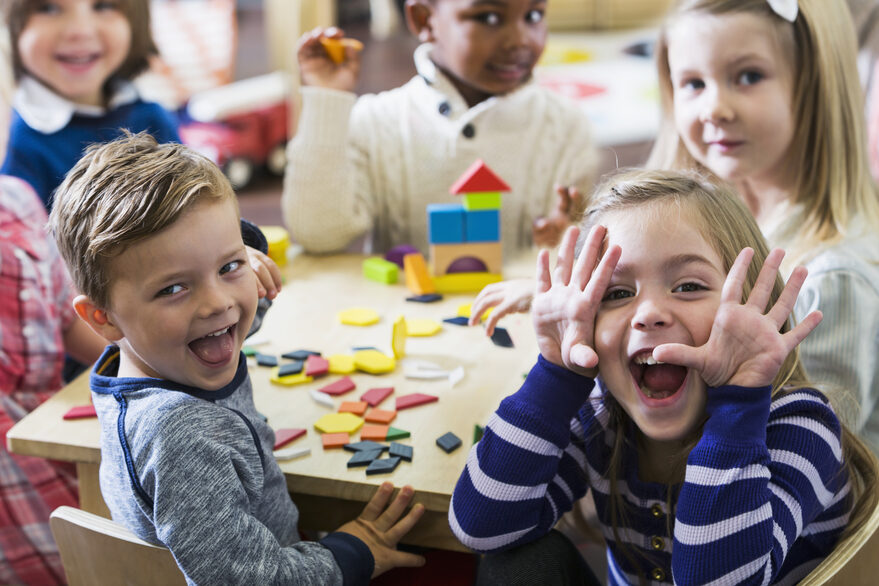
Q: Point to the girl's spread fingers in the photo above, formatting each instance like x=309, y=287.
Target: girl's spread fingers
x=762, y=289
x=588, y=256
x=679, y=354
x=583, y=356
x=732, y=286
x=565, y=261
x=779, y=312
x=601, y=276
x=803, y=329
x=544, y=281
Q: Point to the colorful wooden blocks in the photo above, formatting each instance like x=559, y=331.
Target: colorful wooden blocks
x=417, y=277
x=376, y=395
x=338, y=423
x=380, y=270
x=414, y=399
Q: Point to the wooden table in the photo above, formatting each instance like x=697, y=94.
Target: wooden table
x=304, y=317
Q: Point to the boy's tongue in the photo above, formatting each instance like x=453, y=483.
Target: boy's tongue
x=663, y=379
x=213, y=348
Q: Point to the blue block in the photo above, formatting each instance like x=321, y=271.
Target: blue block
x=445, y=223
x=482, y=226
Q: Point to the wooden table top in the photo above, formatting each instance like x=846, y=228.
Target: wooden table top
x=304, y=317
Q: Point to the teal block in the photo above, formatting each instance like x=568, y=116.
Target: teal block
x=445, y=223
x=482, y=226
x=380, y=270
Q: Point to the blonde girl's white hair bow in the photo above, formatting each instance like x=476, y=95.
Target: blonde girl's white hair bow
x=787, y=9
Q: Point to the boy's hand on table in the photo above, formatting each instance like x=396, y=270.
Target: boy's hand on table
x=380, y=527
x=268, y=275
x=513, y=296
x=547, y=231
x=317, y=68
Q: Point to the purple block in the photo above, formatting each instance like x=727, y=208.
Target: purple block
x=467, y=264
x=396, y=254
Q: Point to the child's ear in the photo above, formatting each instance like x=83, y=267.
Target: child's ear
x=418, y=13
x=96, y=318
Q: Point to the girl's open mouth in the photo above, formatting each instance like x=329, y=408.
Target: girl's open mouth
x=656, y=381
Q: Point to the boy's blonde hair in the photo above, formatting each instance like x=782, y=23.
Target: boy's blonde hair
x=120, y=193
x=17, y=13
x=829, y=144
x=727, y=226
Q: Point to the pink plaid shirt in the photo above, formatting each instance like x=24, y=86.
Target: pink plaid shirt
x=35, y=308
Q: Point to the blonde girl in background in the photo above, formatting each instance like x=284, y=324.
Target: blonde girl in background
x=669, y=385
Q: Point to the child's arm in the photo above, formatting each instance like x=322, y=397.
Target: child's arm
x=513, y=296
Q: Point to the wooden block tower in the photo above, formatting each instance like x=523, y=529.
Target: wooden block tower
x=465, y=239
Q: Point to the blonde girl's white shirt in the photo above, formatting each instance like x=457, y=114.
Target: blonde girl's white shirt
x=842, y=353
x=375, y=163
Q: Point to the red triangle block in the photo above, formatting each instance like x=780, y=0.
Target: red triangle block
x=81, y=412
x=341, y=386
x=285, y=436
x=478, y=178
x=414, y=400
x=316, y=365
x=377, y=395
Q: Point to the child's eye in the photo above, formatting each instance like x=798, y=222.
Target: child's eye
x=534, y=16
x=489, y=18
x=617, y=294
x=693, y=84
x=106, y=5
x=688, y=288
x=230, y=266
x=170, y=290
x=47, y=8
x=750, y=77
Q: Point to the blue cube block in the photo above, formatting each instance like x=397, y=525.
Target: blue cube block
x=445, y=223
x=482, y=226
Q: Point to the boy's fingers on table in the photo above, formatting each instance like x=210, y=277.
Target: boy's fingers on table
x=392, y=513
x=397, y=531
x=377, y=503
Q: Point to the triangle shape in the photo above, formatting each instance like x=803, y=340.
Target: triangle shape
x=478, y=178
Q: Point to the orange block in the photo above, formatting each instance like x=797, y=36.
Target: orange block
x=374, y=432
x=417, y=278
x=334, y=440
x=380, y=416
x=356, y=407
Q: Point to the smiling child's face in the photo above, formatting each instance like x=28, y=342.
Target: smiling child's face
x=665, y=288
x=74, y=46
x=487, y=47
x=184, y=299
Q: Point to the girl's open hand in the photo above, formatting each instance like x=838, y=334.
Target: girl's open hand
x=513, y=296
x=745, y=347
x=566, y=302
x=316, y=68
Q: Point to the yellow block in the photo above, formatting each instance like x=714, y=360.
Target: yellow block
x=464, y=282
x=398, y=338
x=291, y=379
x=374, y=362
x=341, y=364
x=279, y=240
x=335, y=48
x=466, y=309
x=417, y=278
x=338, y=423
x=422, y=327
x=358, y=316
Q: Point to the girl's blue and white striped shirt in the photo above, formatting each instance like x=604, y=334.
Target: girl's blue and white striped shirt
x=764, y=498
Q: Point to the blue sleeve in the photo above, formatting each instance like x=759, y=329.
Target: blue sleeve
x=527, y=470
x=352, y=556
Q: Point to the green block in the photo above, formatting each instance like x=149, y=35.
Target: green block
x=395, y=434
x=380, y=270
x=249, y=350
x=483, y=200
x=478, y=430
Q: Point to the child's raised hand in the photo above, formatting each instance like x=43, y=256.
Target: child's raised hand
x=513, y=296
x=268, y=275
x=379, y=526
x=745, y=347
x=547, y=231
x=317, y=67
x=567, y=301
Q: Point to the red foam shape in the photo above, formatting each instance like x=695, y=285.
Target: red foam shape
x=316, y=365
x=287, y=435
x=81, y=412
x=414, y=400
x=340, y=387
x=478, y=178
x=376, y=395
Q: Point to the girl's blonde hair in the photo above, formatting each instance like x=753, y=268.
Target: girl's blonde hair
x=17, y=13
x=727, y=226
x=829, y=144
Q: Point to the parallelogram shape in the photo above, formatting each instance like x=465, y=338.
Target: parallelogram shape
x=286, y=435
x=382, y=466
x=414, y=399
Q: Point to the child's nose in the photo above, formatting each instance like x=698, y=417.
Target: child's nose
x=650, y=314
x=80, y=20
x=716, y=106
x=214, y=300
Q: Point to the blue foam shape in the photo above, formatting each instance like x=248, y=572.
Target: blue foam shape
x=482, y=226
x=445, y=223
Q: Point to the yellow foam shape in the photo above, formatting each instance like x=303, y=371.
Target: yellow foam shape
x=374, y=362
x=338, y=423
x=279, y=240
x=358, y=316
x=422, y=327
x=398, y=338
x=290, y=379
x=464, y=282
x=335, y=48
x=341, y=364
x=466, y=309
